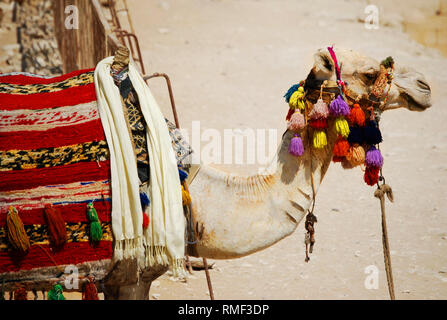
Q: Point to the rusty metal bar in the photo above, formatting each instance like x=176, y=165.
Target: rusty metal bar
x=171, y=94
x=208, y=279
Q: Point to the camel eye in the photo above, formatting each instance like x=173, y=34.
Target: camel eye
x=370, y=76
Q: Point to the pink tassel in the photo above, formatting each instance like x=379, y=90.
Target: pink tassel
x=320, y=110
x=297, y=122
x=296, y=147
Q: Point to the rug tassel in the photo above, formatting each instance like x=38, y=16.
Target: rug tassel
x=20, y=294
x=16, y=231
x=90, y=292
x=56, y=293
x=56, y=226
x=95, y=226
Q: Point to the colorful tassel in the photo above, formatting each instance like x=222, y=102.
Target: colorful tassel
x=341, y=147
x=146, y=220
x=186, y=197
x=357, y=116
x=182, y=174
x=289, y=114
x=372, y=133
x=56, y=293
x=356, y=155
x=56, y=226
x=289, y=93
x=320, y=139
x=144, y=199
x=297, y=122
x=16, y=231
x=95, y=226
x=296, y=99
x=318, y=123
x=320, y=110
x=337, y=159
x=342, y=127
x=20, y=294
x=356, y=135
x=339, y=107
x=296, y=147
x=374, y=158
x=89, y=291
x=371, y=176
x=346, y=164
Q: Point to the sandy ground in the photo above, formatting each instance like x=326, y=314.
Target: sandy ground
x=230, y=62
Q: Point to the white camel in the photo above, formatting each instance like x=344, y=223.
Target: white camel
x=236, y=216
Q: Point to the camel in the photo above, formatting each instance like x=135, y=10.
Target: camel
x=235, y=216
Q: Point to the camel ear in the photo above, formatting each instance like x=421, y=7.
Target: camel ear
x=323, y=65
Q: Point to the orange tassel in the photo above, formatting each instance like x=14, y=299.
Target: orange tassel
x=357, y=116
x=16, y=231
x=56, y=226
x=341, y=147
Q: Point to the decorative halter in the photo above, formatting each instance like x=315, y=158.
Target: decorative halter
x=354, y=119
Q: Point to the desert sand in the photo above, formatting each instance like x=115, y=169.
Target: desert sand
x=230, y=63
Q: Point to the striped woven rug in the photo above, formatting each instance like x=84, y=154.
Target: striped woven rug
x=53, y=151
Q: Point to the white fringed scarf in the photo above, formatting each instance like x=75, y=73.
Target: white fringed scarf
x=163, y=241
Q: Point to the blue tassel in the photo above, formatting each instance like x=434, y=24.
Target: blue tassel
x=356, y=135
x=372, y=133
x=183, y=175
x=291, y=91
x=145, y=202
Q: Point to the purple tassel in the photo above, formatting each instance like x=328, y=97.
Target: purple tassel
x=339, y=107
x=374, y=158
x=296, y=147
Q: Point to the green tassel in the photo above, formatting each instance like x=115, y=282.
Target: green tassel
x=95, y=226
x=56, y=293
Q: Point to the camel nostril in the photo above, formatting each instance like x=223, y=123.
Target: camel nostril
x=423, y=85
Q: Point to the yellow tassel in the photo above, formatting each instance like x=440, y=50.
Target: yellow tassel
x=186, y=197
x=320, y=140
x=16, y=231
x=342, y=127
x=296, y=99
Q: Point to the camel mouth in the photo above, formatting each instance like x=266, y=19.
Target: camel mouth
x=414, y=105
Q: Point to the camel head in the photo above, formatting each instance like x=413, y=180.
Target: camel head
x=409, y=88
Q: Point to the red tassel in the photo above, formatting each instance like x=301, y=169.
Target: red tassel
x=20, y=294
x=341, y=147
x=318, y=123
x=337, y=159
x=56, y=226
x=146, y=220
x=289, y=115
x=371, y=175
x=357, y=116
x=90, y=292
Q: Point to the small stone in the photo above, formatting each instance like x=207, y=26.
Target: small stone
x=155, y=284
x=156, y=296
x=406, y=291
x=443, y=270
x=335, y=210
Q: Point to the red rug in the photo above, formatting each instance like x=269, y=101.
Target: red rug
x=53, y=151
